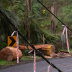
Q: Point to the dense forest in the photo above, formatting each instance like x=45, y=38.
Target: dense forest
x=35, y=22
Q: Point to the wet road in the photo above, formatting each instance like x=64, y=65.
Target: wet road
x=65, y=64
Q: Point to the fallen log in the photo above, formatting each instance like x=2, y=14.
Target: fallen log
x=45, y=48
x=9, y=53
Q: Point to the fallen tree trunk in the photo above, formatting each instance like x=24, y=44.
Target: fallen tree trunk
x=45, y=48
x=9, y=53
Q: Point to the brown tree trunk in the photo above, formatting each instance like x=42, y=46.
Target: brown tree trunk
x=27, y=20
x=53, y=27
x=30, y=5
x=43, y=39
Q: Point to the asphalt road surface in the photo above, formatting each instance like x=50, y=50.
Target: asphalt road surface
x=65, y=64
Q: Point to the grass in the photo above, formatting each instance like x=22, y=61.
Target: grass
x=71, y=50
x=66, y=50
x=24, y=58
x=5, y=62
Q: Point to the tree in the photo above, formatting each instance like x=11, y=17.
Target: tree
x=53, y=27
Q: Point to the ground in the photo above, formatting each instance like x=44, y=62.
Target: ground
x=65, y=64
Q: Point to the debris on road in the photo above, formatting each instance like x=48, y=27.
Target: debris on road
x=46, y=49
x=63, y=54
x=60, y=55
x=9, y=53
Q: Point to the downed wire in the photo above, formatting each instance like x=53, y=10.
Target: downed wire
x=10, y=21
x=54, y=15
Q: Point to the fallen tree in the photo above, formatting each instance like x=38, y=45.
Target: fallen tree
x=9, y=53
x=45, y=48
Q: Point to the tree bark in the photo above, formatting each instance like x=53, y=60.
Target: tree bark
x=27, y=25
x=43, y=39
x=28, y=21
x=53, y=27
x=30, y=5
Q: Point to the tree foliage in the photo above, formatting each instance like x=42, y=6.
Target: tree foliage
x=39, y=22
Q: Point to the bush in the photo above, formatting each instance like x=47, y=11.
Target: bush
x=2, y=45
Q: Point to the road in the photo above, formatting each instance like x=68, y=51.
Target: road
x=65, y=64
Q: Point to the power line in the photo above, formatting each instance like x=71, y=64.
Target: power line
x=54, y=15
x=23, y=37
